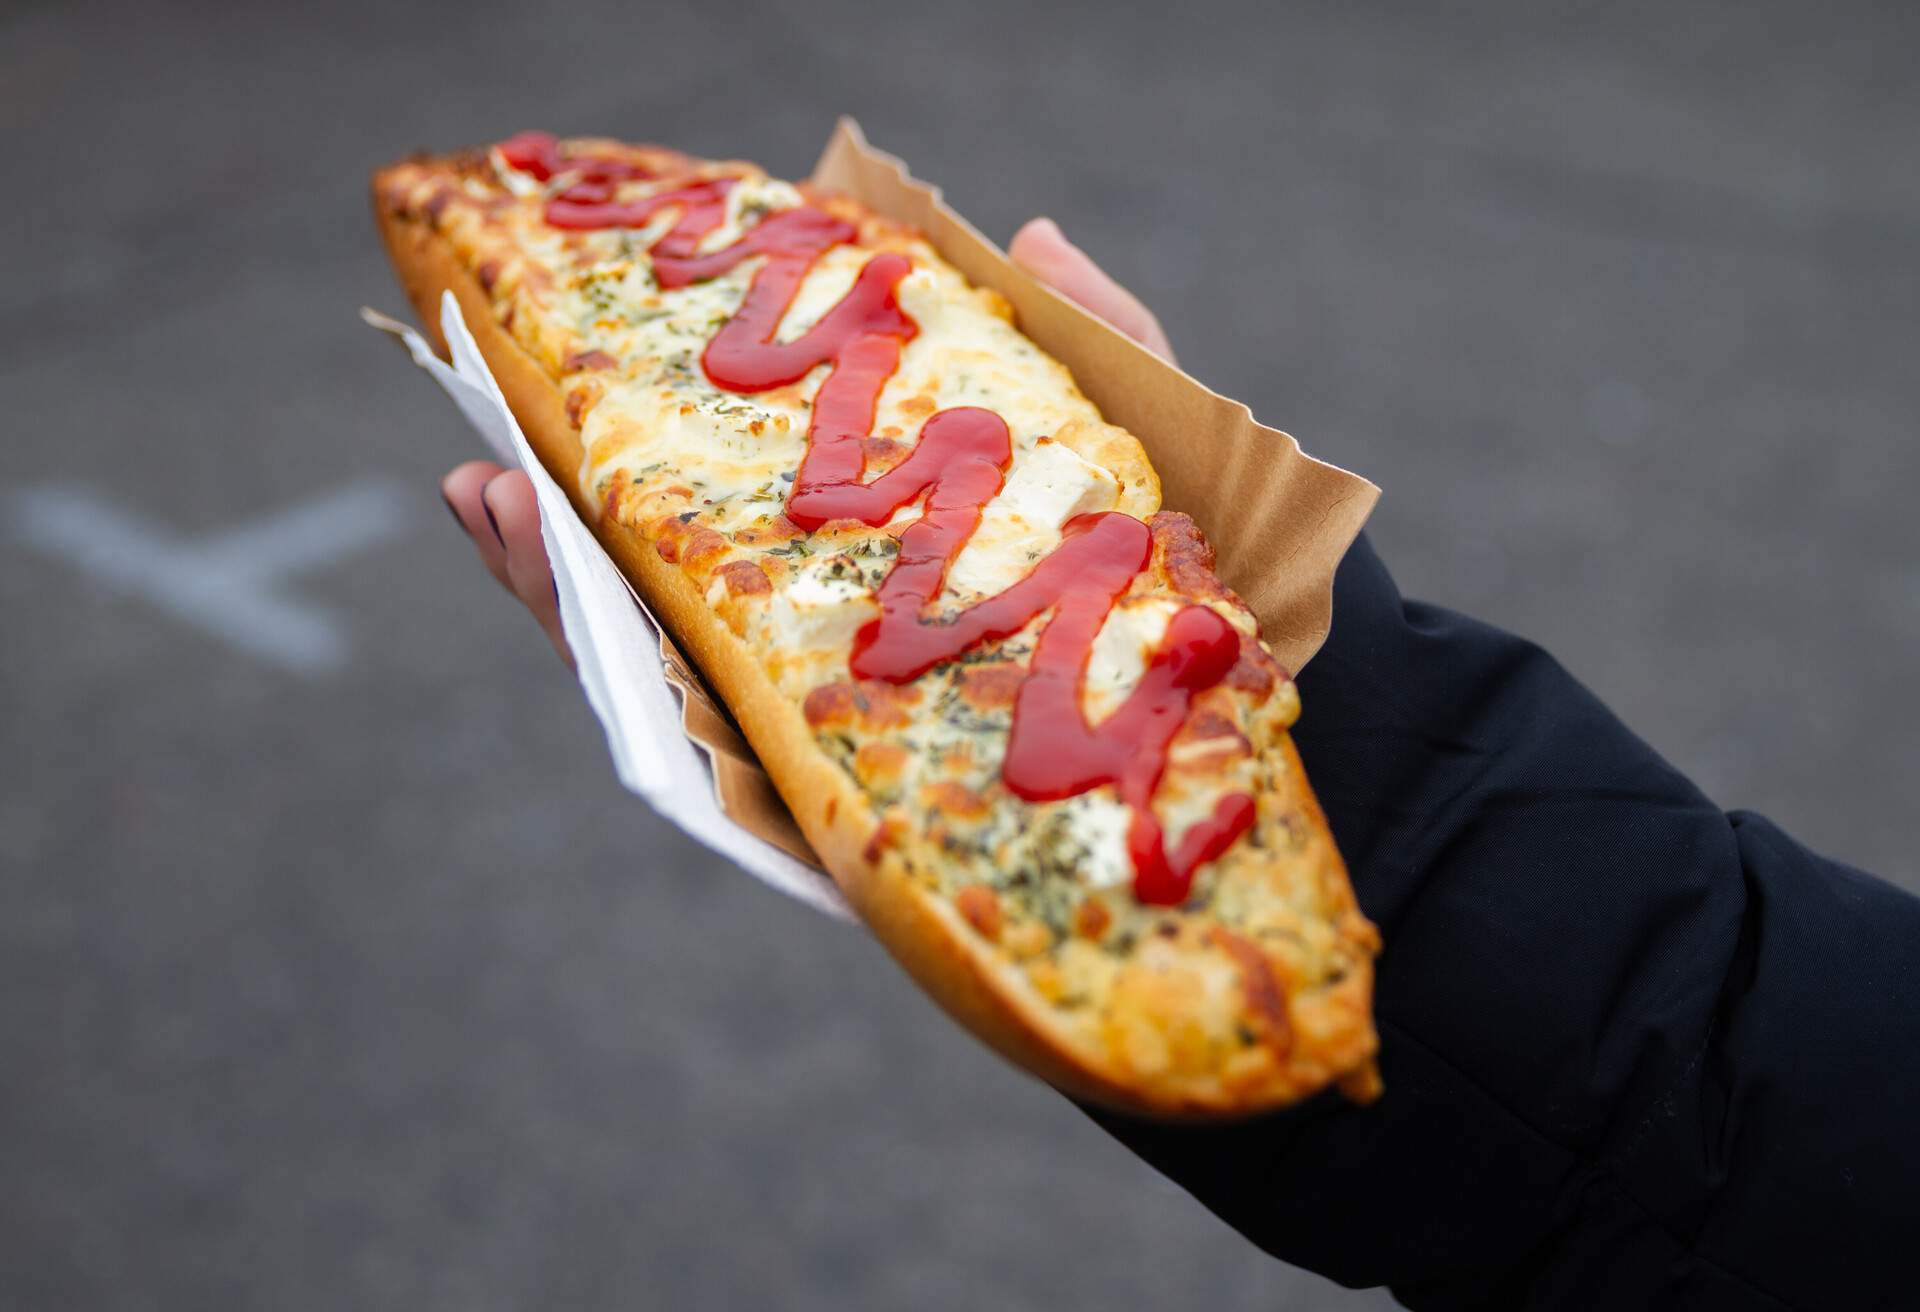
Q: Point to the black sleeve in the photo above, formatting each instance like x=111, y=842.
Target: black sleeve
x=1639, y=1052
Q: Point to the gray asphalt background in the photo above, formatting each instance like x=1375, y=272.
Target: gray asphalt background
x=373, y=990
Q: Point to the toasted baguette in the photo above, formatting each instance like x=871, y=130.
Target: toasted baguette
x=1320, y=1035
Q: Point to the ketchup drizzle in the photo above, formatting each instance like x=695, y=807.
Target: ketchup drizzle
x=959, y=464
x=538, y=153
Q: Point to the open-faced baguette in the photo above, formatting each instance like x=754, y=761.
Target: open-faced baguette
x=1188, y=979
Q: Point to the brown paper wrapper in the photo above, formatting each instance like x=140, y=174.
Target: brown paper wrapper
x=742, y=788
x=1278, y=519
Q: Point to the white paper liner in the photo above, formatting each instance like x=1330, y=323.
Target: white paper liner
x=615, y=642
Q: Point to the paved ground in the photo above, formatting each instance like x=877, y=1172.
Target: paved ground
x=335, y=971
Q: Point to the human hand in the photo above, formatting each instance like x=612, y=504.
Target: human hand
x=1622, y=1033
x=495, y=506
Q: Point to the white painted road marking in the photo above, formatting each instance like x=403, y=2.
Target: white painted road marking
x=226, y=584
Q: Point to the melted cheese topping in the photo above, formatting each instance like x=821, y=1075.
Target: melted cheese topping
x=703, y=474
x=709, y=470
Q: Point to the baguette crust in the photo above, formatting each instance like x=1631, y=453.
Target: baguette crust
x=1333, y=1040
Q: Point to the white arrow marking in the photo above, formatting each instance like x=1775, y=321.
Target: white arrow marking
x=224, y=584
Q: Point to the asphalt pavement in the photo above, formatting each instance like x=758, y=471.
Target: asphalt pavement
x=335, y=968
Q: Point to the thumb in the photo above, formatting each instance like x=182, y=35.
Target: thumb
x=1044, y=251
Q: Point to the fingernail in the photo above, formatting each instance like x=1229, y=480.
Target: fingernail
x=492, y=523
x=448, y=502
x=556, y=590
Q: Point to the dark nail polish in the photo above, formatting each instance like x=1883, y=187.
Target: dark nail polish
x=448, y=502
x=556, y=590
x=492, y=523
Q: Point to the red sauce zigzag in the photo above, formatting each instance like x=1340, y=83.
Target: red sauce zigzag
x=958, y=465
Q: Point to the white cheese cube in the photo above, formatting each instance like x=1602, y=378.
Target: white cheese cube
x=821, y=608
x=829, y=279
x=1097, y=827
x=1047, y=486
x=1127, y=641
x=766, y=195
